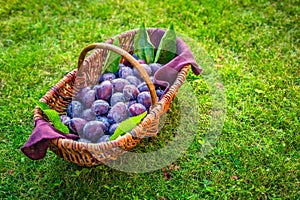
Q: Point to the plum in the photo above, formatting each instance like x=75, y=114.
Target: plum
x=125, y=71
x=79, y=96
x=89, y=98
x=117, y=97
x=74, y=109
x=118, y=84
x=133, y=80
x=136, y=109
x=145, y=99
x=143, y=87
x=159, y=93
x=154, y=67
x=76, y=125
x=130, y=92
x=88, y=114
x=104, y=138
x=65, y=119
x=118, y=113
x=104, y=120
x=92, y=131
x=100, y=107
x=129, y=103
x=106, y=77
x=147, y=69
x=104, y=90
x=112, y=128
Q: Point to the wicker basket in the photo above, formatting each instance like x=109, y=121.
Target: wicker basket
x=59, y=96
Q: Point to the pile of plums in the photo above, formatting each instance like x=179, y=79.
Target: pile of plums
x=96, y=111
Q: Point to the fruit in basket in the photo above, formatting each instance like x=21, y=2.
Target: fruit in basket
x=76, y=125
x=130, y=92
x=81, y=93
x=136, y=109
x=104, y=120
x=106, y=77
x=112, y=128
x=154, y=67
x=65, y=119
x=117, y=97
x=88, y=114
x=129, y=103
x=147, y=69
x=100, y=107
x=143, y=87
x=104, y=138
x=159, y=93
x=121, y=95
x=125, y=71
x=74, y=109
x=118, y=84
x=83, y=140
x=104, y=90
x=133, y=80
x=92, y=131
x=145, y=99
x=118, y=113
x=88, y=99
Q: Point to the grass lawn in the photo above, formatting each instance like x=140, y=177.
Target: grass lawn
x=255, y=49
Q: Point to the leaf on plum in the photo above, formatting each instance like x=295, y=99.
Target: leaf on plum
x=127, y=125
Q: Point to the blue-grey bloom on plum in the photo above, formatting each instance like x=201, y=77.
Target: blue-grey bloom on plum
x=100, y=107
x=75, y=109
x=117, y=97
x=92, y=131
x=104, y=90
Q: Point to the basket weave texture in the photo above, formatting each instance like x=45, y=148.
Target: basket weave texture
x=87, y=74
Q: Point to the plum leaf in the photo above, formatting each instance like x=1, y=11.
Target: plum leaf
x=127, y=125
x=143, y=47
x=55, y=119
x=112, y=61
x=53, y=116
x=167, y=47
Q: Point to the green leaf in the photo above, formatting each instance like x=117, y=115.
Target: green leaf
x=112, y=61
x=53, y=116
x=127, y=125
x=143, y=47
x=167, y=47
x=42, y=105
x=55, y=119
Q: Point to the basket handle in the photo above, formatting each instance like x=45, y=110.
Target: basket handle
x=128, y=57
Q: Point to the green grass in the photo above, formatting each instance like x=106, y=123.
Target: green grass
x=255, y=49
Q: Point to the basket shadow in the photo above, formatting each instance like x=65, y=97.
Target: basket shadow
x=167, y=130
